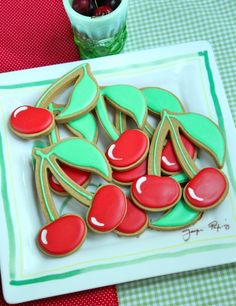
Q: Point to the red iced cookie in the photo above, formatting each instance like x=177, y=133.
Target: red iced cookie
x=108, y=209
x=129, y=150
x=207, y=189
x=169, y=161
x=134, y=222
x=62, y=236
x=128, y=176
x=29, y=120
x=155, y=193
x=78, y=176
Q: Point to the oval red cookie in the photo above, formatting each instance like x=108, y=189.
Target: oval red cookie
x=108, y=209
x=62, y=236
x=30, y=120
x=128, y=150
x=207, y=189
x=155, y=193
x=134, y=222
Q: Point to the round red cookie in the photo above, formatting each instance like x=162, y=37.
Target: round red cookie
x=155, y=193
x=207, y=189
x=62, y=236
x=128, y=151
x=108, y=209
x=28, y=120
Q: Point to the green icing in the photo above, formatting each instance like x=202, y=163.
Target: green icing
x=129, y=100
x=121, y=122
x=53, y=136
x=179, y=216
x=43, y=191
x=205, y=132
x=82, y=97
x=85, y=125
x=180, y=177
x=159, y=99
x=83, y=154
x=156, y=146
x=102, y=114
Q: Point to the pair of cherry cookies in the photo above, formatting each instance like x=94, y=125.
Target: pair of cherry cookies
x=157, y=164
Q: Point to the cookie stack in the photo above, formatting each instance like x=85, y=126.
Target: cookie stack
x=147, y=168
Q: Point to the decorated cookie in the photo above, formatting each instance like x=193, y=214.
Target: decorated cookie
x=127, y=99
x=127, y=177
x=128, y=151
x=207, y=189
x=200, y=130
x=62, y=236
x=155, y=193
x=30, y=122
x=82, y=99
x=74, y=152
x=135, y=221
x=108, y=209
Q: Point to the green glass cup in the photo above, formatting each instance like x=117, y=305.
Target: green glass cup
x=99, y=36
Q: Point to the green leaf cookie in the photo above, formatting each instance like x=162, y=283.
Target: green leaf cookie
x=83, y=97
x=129, y=100
x=204, y=132
x=159, y=99
x=82, y=154
x=84, y=126
x=181, y=215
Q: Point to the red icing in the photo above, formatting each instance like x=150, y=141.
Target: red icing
x=134, y=220
x=108, y=208
x=63, y=235
x=129, y=176
x=206, y=188
x=78, y=176
x=30, y=120
x=155, y=192
x=128, y=149
x=169, y=161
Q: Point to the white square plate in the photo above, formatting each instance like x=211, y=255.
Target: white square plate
x=190, y=72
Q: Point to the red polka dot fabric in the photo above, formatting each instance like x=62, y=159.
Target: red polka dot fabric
x=97, y=297
x=33, y=34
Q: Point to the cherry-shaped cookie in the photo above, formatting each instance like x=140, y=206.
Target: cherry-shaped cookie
x=207, y=189
x=134, y=222
x=80, y=177
x=128, y=151
x=31, y=122
x=128, y=176
x=108, y=209
x=155, y=193
x=62, y=236
x=169, y=160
